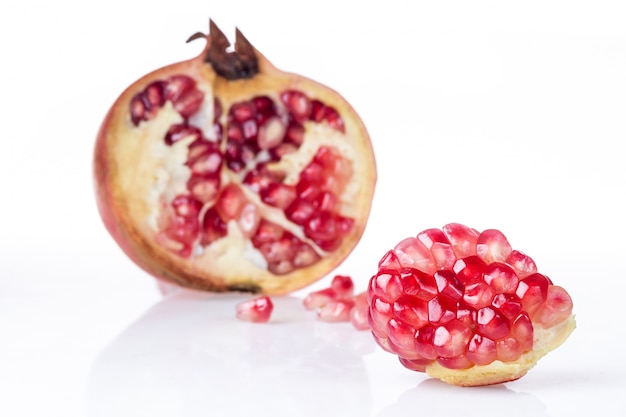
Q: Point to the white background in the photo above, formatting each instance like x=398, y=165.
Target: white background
x=508, y=115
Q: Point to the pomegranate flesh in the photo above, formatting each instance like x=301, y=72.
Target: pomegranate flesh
x=466, y=308
x=224, y=173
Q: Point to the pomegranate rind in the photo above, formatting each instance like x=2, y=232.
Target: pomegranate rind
x=121, y=175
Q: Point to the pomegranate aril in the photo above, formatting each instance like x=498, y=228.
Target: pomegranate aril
x=411, y=310
x=209, y=163
x=189, y=103
x=183, y=229
x=305, y=256
x=533, y=291
x=358, y=314
x=501, y=277
x=249, y=220
x=180, y=131
x=178, y=85
x=271, y=134
x=389, y=261
x=300, y=211
x=278, y=195
x=458, y=362
x=492, y=324
x=492, y=246
x=283, y=249
x=319, y=298
x=243, y=111
x=186, y=206
x=257, y=310
x=441, y=310
x=401, y=337
x=213, y=227
x=263, y=105
x=138, y=110
x=281, y=267
x=478, y=295
x=297, y=103
x=469, y=270
x=336, y=311
x=508, y=304
x=439, y=246
x=451, y=339
x=424, y=342
x=318, y=110
x=342, y=285
x=557, y=307
x=267, y=232
x=331, y=116
x=448, y=285
x=411, y=252
x=294, y=133
x=508, y=349
x=462, y=238
x=231, y=202
x=522, y=330
x=481, y=350
x=522, y=264
x=204, y=187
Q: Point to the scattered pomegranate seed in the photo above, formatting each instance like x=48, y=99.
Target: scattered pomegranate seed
x=257, y=310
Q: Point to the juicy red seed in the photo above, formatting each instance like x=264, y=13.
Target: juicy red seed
x=492, y=324
x=424, y=340
x=297, y=104
x=343, y=285
x=231, y=202
x=387, y=285
x=178, y=85
x=451, y=339
x=508, y=304
x=481, y=350
x=448, y=285
x=234, y=133
x=208, y=163
x=411, y=310
x=189, y=103
x=186, y=206
x=401, y=336
x=336, y=311
x=522, y=264
x=257, y=310
x=462, y=238
x=305, y=256
x=267, y=232
x=249, y=129
x=180, y=131
x=508, y=349
x=204, y=187
x=278, y=195
x=318, y=110
x=558, y=307
x=439, y=246
x=320, y=298
x=458, y=362
x=281, y=267
x=313, y=173
x=501, y=277
x=379, y=315
x=137, y=109
x=200, y=147
x=300, y=211
x=478, y=295
x=469, y=270
x=183, y=229
x=260, y=178
x=294, y=133
x=213, y=227
x=441, y=310
x=271, y=134
x=389, y=261
x=249, y=219
x=492, y=246
x=154, y=94
x=413, y=253
x=264, y=105
x=243, y=111
x=358, y=314
x=533, y=291
x=283, y=249
x=331, y=116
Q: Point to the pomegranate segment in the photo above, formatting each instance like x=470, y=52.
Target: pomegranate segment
x=465, y=307
x=225, y=173
x=257, y=310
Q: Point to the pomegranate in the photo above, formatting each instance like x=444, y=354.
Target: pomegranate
x=223, y=173
x=465, y=307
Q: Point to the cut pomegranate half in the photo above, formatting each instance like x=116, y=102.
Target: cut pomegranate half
x=224, y=173
x=465, y=307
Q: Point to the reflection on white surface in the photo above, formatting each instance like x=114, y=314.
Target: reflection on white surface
x=190, y=356
x=442, y=399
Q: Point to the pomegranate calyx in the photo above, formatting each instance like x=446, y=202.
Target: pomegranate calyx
x=239, y=64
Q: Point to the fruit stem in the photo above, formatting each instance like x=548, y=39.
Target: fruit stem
x=233, y=65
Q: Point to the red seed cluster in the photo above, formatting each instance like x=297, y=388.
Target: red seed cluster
x=461, y=298
x=338, y=303
x=245, y=140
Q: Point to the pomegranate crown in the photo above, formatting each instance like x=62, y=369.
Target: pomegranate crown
x=240, y=63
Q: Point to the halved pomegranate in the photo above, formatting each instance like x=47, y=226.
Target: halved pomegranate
x=224, y=173
x=465, y=307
